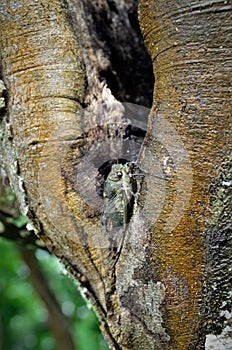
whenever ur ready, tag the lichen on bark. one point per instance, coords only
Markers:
(191, 68)
(219, 257)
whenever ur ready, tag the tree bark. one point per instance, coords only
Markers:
(63, 123)
(189, 46)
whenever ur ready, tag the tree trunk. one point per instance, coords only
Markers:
(189, 46)
(64, 64)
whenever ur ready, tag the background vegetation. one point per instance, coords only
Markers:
(23, 317)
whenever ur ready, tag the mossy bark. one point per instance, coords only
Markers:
(61, 116)
(189, 45)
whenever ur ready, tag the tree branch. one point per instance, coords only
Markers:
(58, 323)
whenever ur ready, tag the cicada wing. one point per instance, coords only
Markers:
(117, 193)
(113, 222)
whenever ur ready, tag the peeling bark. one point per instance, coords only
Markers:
(113, 49)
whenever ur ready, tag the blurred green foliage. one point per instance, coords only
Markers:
(23, 318)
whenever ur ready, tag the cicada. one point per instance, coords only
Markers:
(118, 196)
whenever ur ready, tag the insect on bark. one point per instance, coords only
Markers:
(118, 193)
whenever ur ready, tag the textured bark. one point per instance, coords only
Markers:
(63, 123)
(219, 256)
(189, 45)
(113, 48)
